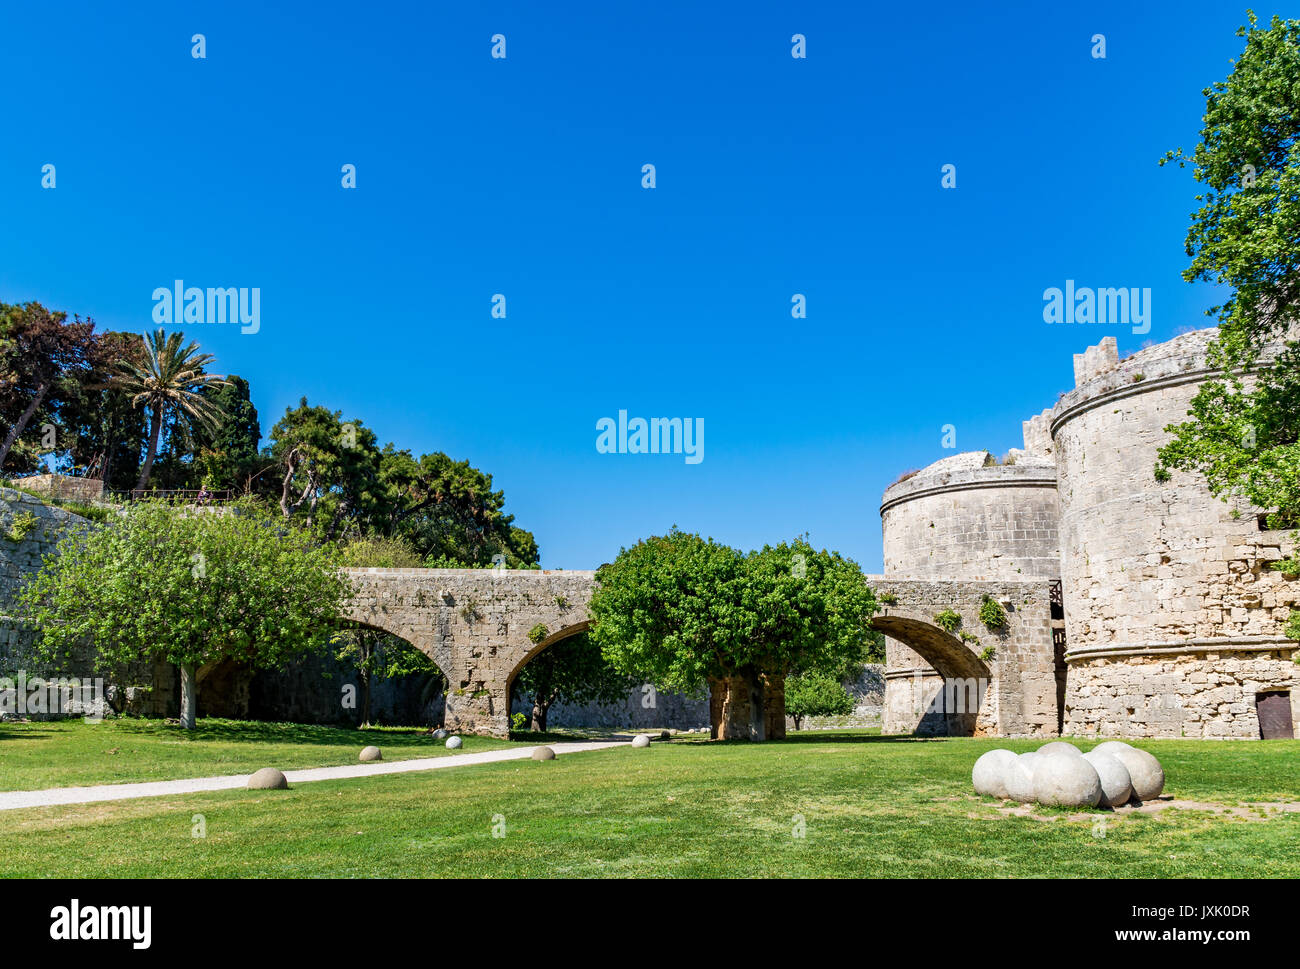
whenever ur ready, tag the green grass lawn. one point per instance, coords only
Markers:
(72, 753)
(870, 806)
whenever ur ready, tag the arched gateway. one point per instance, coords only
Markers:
(475, 624)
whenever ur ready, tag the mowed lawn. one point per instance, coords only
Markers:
(841, 805)
(72, 753)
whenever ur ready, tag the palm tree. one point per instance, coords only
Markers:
(170, 377)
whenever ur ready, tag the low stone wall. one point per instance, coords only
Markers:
(30, 530)
(1200, 690)
(64, 488)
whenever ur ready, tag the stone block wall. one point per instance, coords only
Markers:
(64, 487)
(1207, 691)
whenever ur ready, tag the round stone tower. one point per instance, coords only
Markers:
(1173, 616)
(965, 517)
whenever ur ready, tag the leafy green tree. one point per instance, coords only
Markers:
(100, 433)
(43, 358)
(815, 695)
(1245, 424)
(450, 511)
(191, 587)
(170, 380)
(223, 456)
(684, 613)
(329, 470)
(570, 671)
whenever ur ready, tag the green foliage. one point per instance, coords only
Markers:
(171, 379)
(948, 620)
(988, 654)
(970, 638)
(518, 721)
(190, 587)
(570, 671)
(992, 613)
(380, 552)
(677, 610)
(887, 599)
(20, 526)
(1243, 439)
(815, 695)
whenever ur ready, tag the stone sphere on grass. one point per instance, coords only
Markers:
(371, 753)
(1110, 746)
(641, 740)
(454, 743)
(1145, 772)
(989, 775)
(440, 734)
(1060, 747)
(1062, 780)
(543, 753)
(268, 779)
(1019, 779)
(1116, 787)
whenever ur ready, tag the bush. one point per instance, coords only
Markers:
(948, 620)
(992, 613)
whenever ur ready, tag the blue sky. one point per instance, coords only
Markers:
(522, 176)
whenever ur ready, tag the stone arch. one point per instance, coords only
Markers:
(967, 686)
(559, 636)
(438, 657)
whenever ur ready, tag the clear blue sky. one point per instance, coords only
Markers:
(522, 176)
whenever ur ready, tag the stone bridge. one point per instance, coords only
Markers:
(475, 624)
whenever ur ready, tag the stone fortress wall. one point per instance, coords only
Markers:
(1172, 616)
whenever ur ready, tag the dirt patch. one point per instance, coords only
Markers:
(1250, 811)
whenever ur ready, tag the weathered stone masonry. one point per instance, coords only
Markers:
(1172, 617)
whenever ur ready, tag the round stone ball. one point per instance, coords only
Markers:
(989, 775)
(1116, 787)
(440, 734)
(268, 779)
(665, 735)
(1064, 781)
(1144, 771)
(1110, 746)
(1019, 780)
(641, 740)
(454, 743)
(543, 753)
(371, 753)
(1060, 747)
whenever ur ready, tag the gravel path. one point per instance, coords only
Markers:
(12, 800)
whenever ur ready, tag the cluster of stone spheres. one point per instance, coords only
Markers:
(1060, 774)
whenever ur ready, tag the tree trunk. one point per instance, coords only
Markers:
(189, 696)
(773, 691)
(17, 429)
(540, 710)
(717, 693)
(740, 716)
(155, 428)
